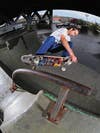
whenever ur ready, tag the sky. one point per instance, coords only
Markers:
(77, 14)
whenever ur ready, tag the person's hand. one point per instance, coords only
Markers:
(74, 59)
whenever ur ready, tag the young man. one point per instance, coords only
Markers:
(60, 40)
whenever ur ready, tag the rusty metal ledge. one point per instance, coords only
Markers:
(72, 85)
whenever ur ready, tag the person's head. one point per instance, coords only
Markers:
(73, 30)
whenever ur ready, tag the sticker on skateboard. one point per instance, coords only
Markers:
(46, 60)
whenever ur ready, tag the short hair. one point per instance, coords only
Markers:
(73, 26)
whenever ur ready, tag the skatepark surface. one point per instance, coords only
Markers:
(23, 111)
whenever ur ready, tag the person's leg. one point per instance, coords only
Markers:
(48, 43)
(56, 48)
(59, 47)
(65, 52)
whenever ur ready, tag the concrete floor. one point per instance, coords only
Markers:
(32, 120)
(23, 113)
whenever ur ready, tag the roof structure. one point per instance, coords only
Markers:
(14, 8)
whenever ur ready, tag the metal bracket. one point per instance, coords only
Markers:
(56, 110)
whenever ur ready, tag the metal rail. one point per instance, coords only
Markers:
(56, 110)
(80, 88)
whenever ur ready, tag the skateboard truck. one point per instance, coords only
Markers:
(56, 110)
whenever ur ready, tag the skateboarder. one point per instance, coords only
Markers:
(60, 40)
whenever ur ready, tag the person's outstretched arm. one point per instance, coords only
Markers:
(67, 47)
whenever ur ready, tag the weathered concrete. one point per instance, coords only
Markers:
(87, 72)
(32, 120)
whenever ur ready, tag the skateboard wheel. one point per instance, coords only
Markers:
(63, 69)
(36, 60)
(69, 62)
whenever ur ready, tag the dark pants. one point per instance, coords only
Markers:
(50, 45)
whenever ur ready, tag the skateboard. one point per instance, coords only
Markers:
(46, 60)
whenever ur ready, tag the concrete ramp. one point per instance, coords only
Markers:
(83, 75)
(33, 121)
(52, 83)
(23, 111)
(15, 109)
(18, 106)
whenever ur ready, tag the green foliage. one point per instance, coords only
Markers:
(95, 28)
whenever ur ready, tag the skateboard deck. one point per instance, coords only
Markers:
(46, 60)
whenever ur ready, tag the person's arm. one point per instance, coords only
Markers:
(67, 47)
